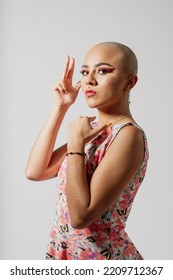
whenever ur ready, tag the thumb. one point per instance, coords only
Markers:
(78, 85)
(91, 119)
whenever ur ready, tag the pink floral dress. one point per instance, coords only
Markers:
(104, 239)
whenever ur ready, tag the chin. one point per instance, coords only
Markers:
(92, 106)
(95, 105)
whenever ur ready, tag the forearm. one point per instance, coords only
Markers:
(42, 149)
(77, 188)
(79, 193)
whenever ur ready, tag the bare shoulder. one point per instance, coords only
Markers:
(129, 142)
(132, 134)
(120, 163)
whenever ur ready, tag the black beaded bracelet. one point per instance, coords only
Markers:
(76, 153)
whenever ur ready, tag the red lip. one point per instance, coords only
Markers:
(90, 92)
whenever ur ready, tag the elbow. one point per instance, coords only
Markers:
(30, 175)
(80, 222)
(78, 225)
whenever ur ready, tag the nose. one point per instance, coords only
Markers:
(90, 80)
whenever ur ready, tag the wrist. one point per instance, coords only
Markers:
(75, 146)
(56, 108)
(83, 154)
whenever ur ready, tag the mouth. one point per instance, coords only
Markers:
(90, 93)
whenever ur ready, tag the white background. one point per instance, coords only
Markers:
(36, 36)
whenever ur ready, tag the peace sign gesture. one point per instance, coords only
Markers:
(64, 92)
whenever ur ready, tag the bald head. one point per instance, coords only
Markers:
(129, 58)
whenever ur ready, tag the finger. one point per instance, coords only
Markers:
(71, 68)
(58, 88)
(66, 67)
(62, 85)
(90, 119)
(61, 89)
(78, 85)
(55, 87)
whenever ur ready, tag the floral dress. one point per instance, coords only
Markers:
(104, 239)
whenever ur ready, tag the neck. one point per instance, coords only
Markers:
(107, 117)
(113, 111)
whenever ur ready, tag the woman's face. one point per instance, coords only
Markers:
(103, 77)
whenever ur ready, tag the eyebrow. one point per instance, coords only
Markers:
(98, 64)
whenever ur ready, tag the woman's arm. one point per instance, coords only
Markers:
(43, 162)
(120, 163)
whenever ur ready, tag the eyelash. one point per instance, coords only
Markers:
(105, 71)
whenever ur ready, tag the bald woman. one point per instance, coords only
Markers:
(100, 168)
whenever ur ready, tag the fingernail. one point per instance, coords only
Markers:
(78, 85)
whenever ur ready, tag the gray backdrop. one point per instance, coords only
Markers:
(35, 38)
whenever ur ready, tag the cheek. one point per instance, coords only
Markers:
(116, 83)
(108, 83)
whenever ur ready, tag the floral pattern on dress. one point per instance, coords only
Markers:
(106, 238)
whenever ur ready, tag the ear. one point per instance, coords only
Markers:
(131, 82)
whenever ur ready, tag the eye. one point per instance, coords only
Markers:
(84, 72)
(103, 71)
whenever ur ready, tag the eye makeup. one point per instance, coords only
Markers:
(106, 69)
(84, 72)
(100, 68)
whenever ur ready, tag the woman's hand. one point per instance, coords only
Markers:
(80, 132)
(64, 92)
